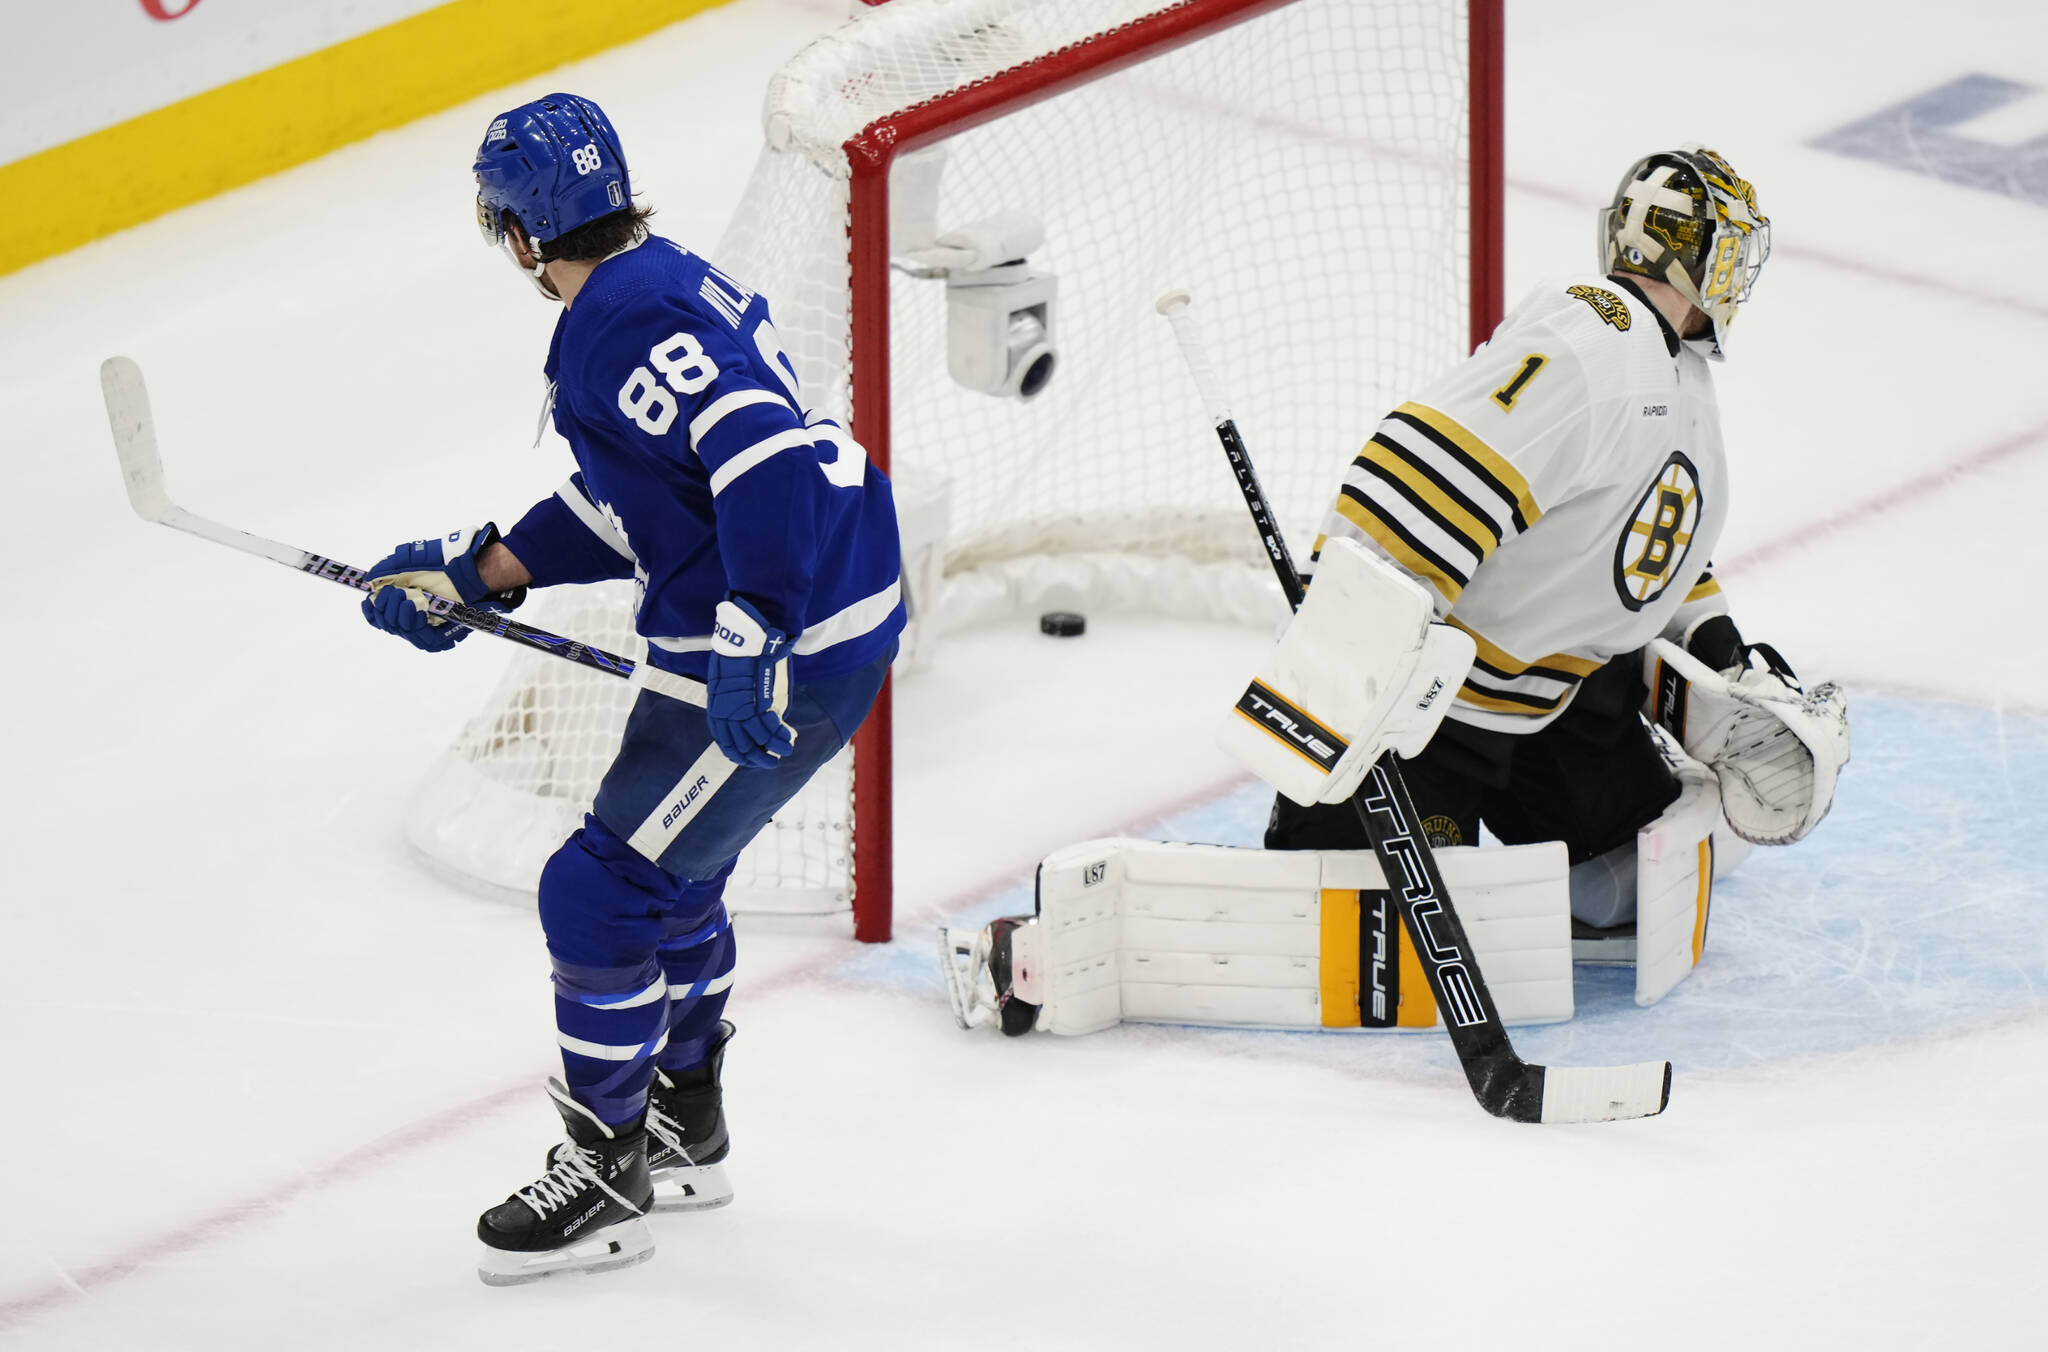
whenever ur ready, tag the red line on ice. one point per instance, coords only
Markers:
(1876, 272)
(224, 1222)
(228, 1219)
(1902, 494)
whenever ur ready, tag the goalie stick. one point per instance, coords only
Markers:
(142, 471)
(1505, 1084)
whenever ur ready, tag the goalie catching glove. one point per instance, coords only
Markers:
(402, 581)
(1359, 671)
(1775, 747)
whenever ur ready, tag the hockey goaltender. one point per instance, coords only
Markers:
(1534, 531)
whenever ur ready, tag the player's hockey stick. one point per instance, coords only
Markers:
(142, 470)
(1505, 1084)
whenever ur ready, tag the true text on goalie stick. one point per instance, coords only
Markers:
(1504, 1084)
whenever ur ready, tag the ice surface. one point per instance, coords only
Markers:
(264, 1071)
(1903, 919)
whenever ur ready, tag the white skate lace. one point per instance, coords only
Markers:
(670, 1132)
(573, 1172)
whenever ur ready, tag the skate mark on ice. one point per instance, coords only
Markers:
(1918, 909)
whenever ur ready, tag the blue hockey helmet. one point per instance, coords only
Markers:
(555, 164)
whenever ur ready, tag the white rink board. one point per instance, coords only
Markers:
(71, 67)
(263, 1066)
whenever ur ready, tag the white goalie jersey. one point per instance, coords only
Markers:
(1560, 493)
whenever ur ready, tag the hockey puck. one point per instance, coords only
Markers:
(1062, 624)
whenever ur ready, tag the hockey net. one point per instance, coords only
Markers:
(1304, 166)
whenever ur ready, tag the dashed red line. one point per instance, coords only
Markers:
(1900, 494)
(1907, 493)
(228, 1219)
(1877, 272)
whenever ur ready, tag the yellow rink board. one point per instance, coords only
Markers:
(137, 170)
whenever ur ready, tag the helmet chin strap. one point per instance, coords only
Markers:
(1678, 279)
(537, 274)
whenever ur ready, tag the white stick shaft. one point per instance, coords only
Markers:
(142, 470)
(1209, 385)
(1688, 666)
(180, 519)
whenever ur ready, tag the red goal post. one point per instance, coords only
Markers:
(874, 151)
(1324, 174)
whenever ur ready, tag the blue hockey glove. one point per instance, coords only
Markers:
(444, 567)
(747, 686)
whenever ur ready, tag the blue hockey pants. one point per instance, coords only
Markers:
(633, 903)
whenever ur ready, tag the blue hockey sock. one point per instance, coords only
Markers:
(606, 911)
(697, 957)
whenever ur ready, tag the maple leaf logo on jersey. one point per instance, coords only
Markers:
(611, 516)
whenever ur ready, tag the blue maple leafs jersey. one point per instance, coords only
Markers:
(700, 473)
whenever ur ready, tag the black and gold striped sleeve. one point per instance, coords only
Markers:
(1435, 497)
(1703, 601)
(1503, 684)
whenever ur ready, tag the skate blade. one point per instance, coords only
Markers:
(615, 1246)
(696, 1188)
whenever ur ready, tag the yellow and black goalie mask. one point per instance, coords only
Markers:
(1683, 217)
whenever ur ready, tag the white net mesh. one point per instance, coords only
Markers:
(1303, 173)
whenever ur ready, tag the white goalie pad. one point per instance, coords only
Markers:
(1141, 931)
(1359, 671)
(1678, 856)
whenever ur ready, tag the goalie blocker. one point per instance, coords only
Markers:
(1360, 670)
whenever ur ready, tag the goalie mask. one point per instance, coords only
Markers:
(1682, 217)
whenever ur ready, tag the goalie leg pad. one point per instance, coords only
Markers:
(1359, 671)
(1143, 931)
(1678, 856)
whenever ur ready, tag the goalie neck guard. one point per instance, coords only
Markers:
(1684, 218)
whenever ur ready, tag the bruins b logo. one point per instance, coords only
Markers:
(1657, 538)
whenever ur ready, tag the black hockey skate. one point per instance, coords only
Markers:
(1017, 1016)
(686, 1137)
(981, 974)
(585, 1214)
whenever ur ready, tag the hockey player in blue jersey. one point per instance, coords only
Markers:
(765, 550)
